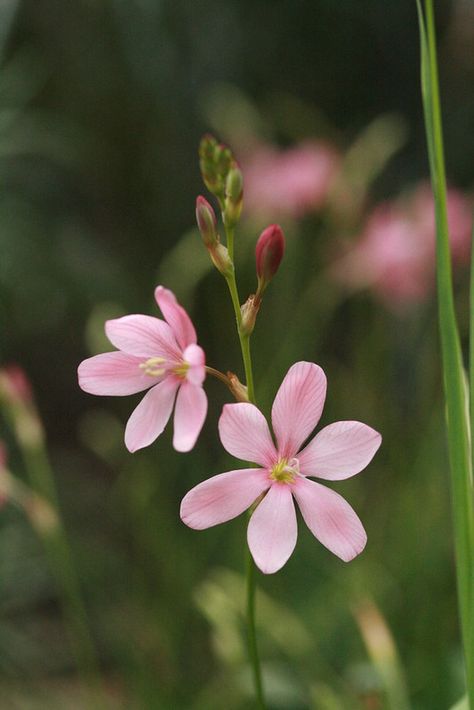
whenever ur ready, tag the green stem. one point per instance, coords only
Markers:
(243, 339)
(454, 381)
(230, 241)
(252, 634)
(247, 360)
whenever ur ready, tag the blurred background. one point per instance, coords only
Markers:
(102, 106)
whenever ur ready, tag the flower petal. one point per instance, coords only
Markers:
(298, 406)
(245, 434)
(330, 518)
(339, 451)
(143, 336)
(176, 316)
(151, 416)
(189, 415)
(196, 359)
(113, 374)
(273, 530)
(222, 497)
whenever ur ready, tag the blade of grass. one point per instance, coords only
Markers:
(457, 420)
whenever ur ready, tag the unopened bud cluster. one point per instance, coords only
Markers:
(215, 161)
(223, 178)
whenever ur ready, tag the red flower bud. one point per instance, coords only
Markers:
(268, 254)
(207, 222)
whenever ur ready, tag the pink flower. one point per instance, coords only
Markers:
(339, 451)
(289, 183)
(158, 356)
(269, 252)
(395, 255)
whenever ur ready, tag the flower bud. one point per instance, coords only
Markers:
(239, 390)
(234, 193)
(224, 159)
(268, 255)
(221, 259)
(207, 222)
(249, 312)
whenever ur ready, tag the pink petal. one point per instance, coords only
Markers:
(176, 316)
(222, 497)
(272, 529)
(113, 374)
(244, 433)
(143, 336)
(196, 359)
(151, 416)
(298, 406)
(339, 451)
(189, 415)
(330, 518)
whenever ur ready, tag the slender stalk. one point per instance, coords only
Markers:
(247, 360)
(244, 339)
(454, 380)
(229, 231)
(219, 376)
(252, 634)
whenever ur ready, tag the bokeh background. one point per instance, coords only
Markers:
(102, 106)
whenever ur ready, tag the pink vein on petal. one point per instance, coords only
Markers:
(222, 497)
(150, 417)
(143, 336)
(113, 374)
(176, 316)
(272, 529)
(189, 415)
(339, 451)
(330, 518)
(298, 406)
(245, 434)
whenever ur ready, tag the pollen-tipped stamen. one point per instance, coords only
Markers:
(285, 471)
(149, 367)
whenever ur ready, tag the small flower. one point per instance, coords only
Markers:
(162, 357)
(339, 451)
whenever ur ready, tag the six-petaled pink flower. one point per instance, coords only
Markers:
(339, 451)
(162, 357)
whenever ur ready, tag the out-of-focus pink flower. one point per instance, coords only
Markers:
(395, 255)
(289, 183)
(15, 383)
(3, 455)
(339, 451)
(162, 357)
(3, 474)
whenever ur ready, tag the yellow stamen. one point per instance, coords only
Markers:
(181, 370)
(149, 367)
(285, 471)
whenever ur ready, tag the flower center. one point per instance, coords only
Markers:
(285, 471)
(181, 370)
(152, 366)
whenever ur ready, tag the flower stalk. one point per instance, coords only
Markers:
(244, 339)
